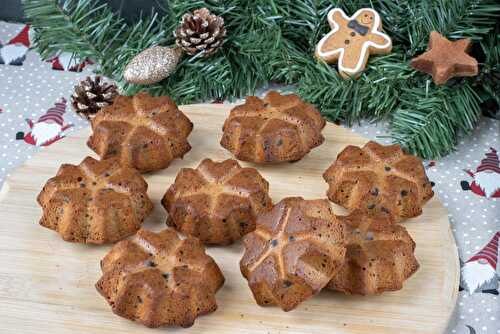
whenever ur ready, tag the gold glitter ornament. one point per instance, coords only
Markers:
(152, 65)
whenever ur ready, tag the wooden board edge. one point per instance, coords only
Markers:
(452, 282)
(5, 188)
(450, 250)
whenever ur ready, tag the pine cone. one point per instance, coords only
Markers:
(200, 32)
(91, 95)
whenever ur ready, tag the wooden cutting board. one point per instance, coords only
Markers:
(47, 285)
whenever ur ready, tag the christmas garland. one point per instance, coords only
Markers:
(273, 41)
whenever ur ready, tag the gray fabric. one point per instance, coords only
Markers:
(27, 91)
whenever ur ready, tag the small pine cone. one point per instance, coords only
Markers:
(200, 32)
(91, 95)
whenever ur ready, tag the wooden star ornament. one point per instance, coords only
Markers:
(446, 59)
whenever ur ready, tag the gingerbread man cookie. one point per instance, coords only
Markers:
(352, 40)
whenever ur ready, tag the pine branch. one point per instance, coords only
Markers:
(80, 27)
(254, 53)
(306, 20)
(454, 19)
(428, 120)
(89, 30)
(374, 95)
(488, 80)
(146, 32)
(274, 40)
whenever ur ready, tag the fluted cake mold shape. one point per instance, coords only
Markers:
(380, 255)
(274, 129)
(159, 279)
(95, 202)
(144, 132)
(378, 178)
(217, 202)
(294, 252)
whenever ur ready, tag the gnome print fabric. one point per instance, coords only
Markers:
(486, 179)
(34, 99)
(14, 51)
(467, 183)
(66, 61)
(48, 129)
(479, 273)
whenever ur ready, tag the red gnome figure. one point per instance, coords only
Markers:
(66, 61)
(479, 273)
(14, 52)
(486, 181)
(48, 129)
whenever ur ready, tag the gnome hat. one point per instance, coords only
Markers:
(489, 253)
(22, 38)
(491, 162)
(55, 114)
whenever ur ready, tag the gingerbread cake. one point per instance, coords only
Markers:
(380, 255)
(144, 132)
(294, 252)
(217, 202)
(376, 178)
(158, 279)
(95, 202)
(275, 129)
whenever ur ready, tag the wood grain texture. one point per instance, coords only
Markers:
(47, 285)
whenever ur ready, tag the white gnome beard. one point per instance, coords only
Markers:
(489, 182)
(44, 132)
(68, 60)
(12, 52)
(475, 275)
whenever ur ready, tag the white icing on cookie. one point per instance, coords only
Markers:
(366, 45)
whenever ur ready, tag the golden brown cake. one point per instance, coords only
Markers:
(217, 202)
(380, 256)
(95, 202)
(158, 279)
(278, 128)
(294, 252)
(378, 178)
(145, 132)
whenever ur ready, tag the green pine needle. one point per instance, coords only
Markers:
(274, 40)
